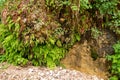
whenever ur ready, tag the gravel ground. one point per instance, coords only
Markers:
(38, 73)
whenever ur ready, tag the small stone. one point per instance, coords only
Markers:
(30, 71)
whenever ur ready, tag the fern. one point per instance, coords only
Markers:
(11, 44)
(115, 60)
(26, 47)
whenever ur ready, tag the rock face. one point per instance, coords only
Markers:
(89, 56)
(103, 44)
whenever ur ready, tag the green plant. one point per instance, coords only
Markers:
(115, 62)
(47, 54)
(106, 13)
(2, 2)
(19, 52)
(106, 6)
(114, 22)
(114, 78)
(11, 44)
(25, 44)
(95, 33)
(84, 5)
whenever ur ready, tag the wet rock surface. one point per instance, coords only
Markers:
(103, 43)
(89, 55)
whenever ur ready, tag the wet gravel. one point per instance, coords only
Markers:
(38, 73)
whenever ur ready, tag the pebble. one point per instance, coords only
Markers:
(34, 73)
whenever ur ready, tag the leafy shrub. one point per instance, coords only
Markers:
(18, 52)
(13, 47)
(106, 6)
(115, 62)
(106, 14)
(22, 51)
